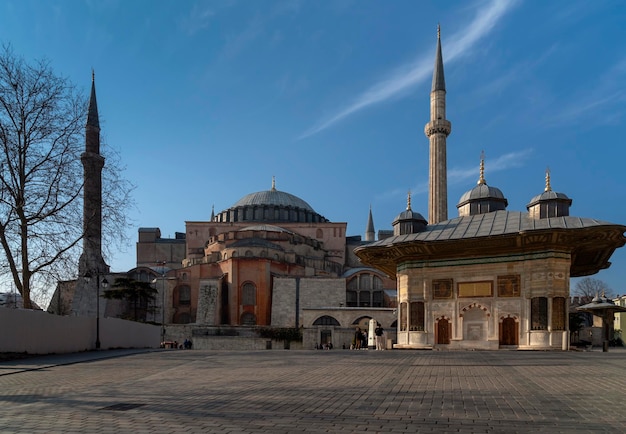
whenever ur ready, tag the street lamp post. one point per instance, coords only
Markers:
(105, 284)
(162, 263)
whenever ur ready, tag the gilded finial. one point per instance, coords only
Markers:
(408, 201)
(438, 31)
(548, 186)
(273, 183)
(93, 75)
(481, 179)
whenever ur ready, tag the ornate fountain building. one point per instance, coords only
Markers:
(489, 278)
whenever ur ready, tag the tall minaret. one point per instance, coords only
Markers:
(370, 233)
(91, 261)
(437, 131)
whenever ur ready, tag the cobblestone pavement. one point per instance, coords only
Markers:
(177, 391)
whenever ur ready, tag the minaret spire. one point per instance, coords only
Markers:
(437, 131)
(439, 82)
(370, 233)
(91, 263)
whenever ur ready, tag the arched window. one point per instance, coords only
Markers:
(326, 320)
(319, 234)
(365, 289)
(248, 294)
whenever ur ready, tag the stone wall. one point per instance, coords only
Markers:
(38, 332)
(313, 292)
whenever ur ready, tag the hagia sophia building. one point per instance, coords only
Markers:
(487, 279)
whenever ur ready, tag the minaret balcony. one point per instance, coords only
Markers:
(439, 126)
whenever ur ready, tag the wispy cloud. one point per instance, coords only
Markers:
(197, 20)
(403, 78)
(602, 104)
(463, 174)
(498, 164)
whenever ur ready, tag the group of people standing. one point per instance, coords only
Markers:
(360, 338)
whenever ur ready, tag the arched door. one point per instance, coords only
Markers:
(444, 330)
(509, 332)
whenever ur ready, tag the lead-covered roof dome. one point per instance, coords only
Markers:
(270, 206)
(481, 192)
(549, 203)
(408, 221)
(483, 198)
(273, 198)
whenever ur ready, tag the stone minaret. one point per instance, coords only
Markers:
(370, 233)
(91, 260)
(437, 131)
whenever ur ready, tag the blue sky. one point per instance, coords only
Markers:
(207, 100)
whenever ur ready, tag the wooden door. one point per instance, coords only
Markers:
(509, 334)
(444, 329)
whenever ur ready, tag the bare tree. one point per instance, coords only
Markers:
(590, 287)
(42, 119)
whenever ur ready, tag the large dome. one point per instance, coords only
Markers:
(273, 198)
(270, 206)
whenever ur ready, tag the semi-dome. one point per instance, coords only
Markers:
(270, 206)
(483, 198)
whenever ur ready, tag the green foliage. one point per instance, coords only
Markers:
(136, 293)
(288, 334)
(130, 289)
(576, 322)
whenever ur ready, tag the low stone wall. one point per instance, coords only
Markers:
(232, 338)
(38, 332)
(241, 343)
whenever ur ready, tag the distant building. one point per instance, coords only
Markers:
(264, 262)
(620, 317)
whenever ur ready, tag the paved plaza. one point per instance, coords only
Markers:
(179, 391)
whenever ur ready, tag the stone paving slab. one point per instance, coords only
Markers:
(338, 391)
